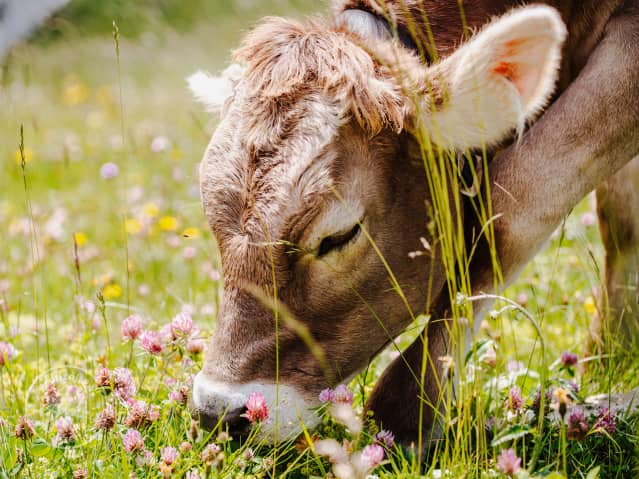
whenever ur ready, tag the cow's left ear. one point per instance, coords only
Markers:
(213, 91)
(497, 81)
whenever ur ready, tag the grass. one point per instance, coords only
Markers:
(85, 247)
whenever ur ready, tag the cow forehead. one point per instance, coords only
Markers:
(268, 162)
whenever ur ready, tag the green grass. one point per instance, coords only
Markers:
(62, 312)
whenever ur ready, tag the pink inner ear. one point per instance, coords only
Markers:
(507, 70)
(522, 63)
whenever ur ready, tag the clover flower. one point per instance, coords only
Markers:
(51, 396)
(131, 328)
(75, 394)
(569, 359)
(386, 438)
(340, 395)
(326, 395)
(514, 402)
(151, 342)
(7, 353)
(160, 144)
(195, 346)
(80, 474)
(123, 384)
(508, 463)
(605, 421)
(180, 395)
(105, 419)
(489, 358)
(181, 326)
(209, 453)
(141, 415)
(256, 409)
(133, 441)
(169, 455)
(577, 424)
(109, 170)
(24, 428)
(103, 378)
(372, 455)
(64, 428)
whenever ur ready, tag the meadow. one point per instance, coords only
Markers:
(110, 285)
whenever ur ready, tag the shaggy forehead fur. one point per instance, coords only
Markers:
(287, 60)
(264, 168)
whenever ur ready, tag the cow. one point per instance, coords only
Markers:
(314, 188)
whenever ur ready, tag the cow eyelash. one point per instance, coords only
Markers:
(331, 243)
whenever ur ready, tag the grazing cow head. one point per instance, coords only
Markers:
(314, 187)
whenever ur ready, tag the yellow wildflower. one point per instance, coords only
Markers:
(590, 305)
(80, 238)
(191, 232)
(111, 291)
(133, 226)
(168, 223)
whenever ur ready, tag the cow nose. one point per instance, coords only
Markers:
(233, 422)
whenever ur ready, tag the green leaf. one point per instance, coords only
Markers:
(510, 434)
(40, 448)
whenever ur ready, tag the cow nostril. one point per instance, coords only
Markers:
(233, 422)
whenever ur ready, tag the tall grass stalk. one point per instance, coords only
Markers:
(36, 258)
(124, 214)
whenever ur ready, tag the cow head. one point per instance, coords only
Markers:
(314, 188)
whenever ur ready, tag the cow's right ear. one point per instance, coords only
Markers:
(497, 81)
(363, 24)
(213, 91)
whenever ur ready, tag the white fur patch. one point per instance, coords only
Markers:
(290, 408)
(213, 91)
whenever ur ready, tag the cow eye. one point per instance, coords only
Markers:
(331, 243)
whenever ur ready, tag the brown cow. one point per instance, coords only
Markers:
(315, 189)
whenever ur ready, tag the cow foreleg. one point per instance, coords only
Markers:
(618, 208)
(408, 385)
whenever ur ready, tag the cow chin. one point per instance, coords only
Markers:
(223, 404)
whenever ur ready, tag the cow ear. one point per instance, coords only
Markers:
(497, 81)
(213, 91)
(363, 24)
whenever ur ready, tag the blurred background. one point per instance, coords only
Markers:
(112, 140)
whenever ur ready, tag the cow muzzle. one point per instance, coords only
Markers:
(223, 405)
